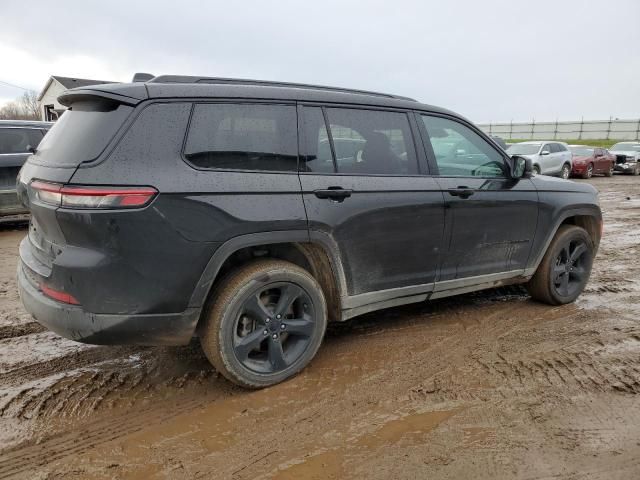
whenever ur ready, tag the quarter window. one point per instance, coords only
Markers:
(459, 151)
(372, 142)
(243, 137)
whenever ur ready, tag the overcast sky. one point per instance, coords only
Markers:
(489, 60)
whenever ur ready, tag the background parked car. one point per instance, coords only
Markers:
(16, 137)
(548, 157)
(627, 157)
(588, 161)
(499, 140)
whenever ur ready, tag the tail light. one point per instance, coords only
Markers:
(76, 196)
(59, 296)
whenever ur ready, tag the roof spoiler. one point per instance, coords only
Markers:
(126, 94)
(142, 77)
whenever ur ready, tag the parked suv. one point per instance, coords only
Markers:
(252, 213)
(17, 139)
(549, 158)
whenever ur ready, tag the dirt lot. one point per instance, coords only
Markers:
(480, 386)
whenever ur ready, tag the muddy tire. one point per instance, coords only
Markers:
(565, 267)
(264, 323)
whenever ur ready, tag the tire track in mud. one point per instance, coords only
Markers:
(568, 371)
(22, 459)
(20, 330)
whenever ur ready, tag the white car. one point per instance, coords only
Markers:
(627, 157)
(548, 157)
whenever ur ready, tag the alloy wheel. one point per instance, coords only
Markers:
(570, 268)
(565, 171)
(589, 171)
(274, 328)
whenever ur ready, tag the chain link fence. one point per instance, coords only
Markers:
(614, 129)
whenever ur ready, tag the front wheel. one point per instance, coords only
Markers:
(566, 171)
(589, 172)
(536, 170)
(609, 172)
(265, 323)
(565, 267)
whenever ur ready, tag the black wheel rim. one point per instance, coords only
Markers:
(570, 270)
(274, 327)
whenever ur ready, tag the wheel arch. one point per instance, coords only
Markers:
(316, 254)
(588, 217)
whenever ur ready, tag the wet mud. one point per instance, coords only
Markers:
(485, 385)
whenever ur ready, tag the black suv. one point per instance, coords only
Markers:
(252, 213)
(18, 139)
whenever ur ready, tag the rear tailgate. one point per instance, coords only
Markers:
(83, 134)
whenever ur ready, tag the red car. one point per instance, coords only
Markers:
(588, 161)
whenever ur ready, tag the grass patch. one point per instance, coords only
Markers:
(593, 143)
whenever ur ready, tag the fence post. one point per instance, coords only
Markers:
(490, 132)
(511, 129)
(555, 132)
(533, 127)
(638, 130)
(581, 127)
(609, 128)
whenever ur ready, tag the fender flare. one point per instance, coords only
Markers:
(228, 248)
(571, 211)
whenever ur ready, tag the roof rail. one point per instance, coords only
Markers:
(265, 83)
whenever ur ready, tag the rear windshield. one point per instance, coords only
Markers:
(18, 140)
(82, 133)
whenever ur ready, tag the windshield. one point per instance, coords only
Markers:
(626, 146)
(581, 151)
(81, 134)
(523, 149)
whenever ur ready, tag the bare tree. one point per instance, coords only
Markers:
(23, 108)
(29, 104)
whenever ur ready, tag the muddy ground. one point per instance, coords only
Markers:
(484, 385)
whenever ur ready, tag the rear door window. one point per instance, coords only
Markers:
(372, 142)
(17, 140)
(243, 137)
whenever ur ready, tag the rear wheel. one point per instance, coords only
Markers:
(566, 171)
(265, 323)
(565, 267)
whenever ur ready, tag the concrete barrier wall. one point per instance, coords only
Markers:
(588, 129)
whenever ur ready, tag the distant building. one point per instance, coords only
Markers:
(48, 98)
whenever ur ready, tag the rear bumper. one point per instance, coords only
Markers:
(74, 323)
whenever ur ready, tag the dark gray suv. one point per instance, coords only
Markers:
(18, 139)
(252, 213)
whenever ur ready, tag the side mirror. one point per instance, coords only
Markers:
(31, 149)
(544, 152)
(521, 167)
